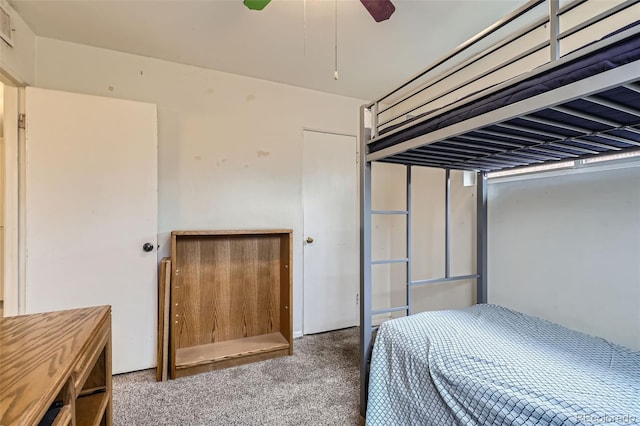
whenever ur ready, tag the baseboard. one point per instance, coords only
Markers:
(297, 334)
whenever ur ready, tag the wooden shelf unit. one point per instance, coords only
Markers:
(230, 298)
(55, 368)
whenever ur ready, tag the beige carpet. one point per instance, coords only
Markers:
(318, 385)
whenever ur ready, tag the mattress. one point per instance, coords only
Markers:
(488, 365)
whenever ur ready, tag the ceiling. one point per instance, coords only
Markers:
(290, 41)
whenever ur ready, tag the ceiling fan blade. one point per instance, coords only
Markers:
(380, 10)
(256, 4)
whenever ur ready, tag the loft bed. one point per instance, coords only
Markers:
(551, 82)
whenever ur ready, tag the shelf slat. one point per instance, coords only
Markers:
(64, 417)
(221, 351)
(90, 409)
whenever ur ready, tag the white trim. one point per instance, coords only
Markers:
(528, 170)
(578, 169)
(22, 206)
(297, 334)
(12, 288)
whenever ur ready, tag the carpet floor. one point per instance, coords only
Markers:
(318, 385)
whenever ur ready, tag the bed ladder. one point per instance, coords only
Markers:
(367, 329)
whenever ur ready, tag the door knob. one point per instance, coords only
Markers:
(147, 247)
(309, 240)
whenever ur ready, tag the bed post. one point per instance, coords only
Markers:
(447, 223)
(365, 262)
(409, 242)
(481, 225)
(554, 29)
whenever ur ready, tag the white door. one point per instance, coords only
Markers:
(331, 232)
(91, 205)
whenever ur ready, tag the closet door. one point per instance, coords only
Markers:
(331, 233)
(91, 214)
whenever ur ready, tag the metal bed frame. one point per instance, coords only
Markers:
(537, 130)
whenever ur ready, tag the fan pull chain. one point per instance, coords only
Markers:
(335, 72)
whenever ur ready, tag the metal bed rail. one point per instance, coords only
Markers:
(544, 33)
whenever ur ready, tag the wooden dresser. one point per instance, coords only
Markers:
(55, 368)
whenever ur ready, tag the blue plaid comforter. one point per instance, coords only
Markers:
(488, 365)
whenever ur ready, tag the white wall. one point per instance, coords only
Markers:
(567, 249)
(428, 229)
(428, 238)
(230, 147)
(18, 61)
(2, 179)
